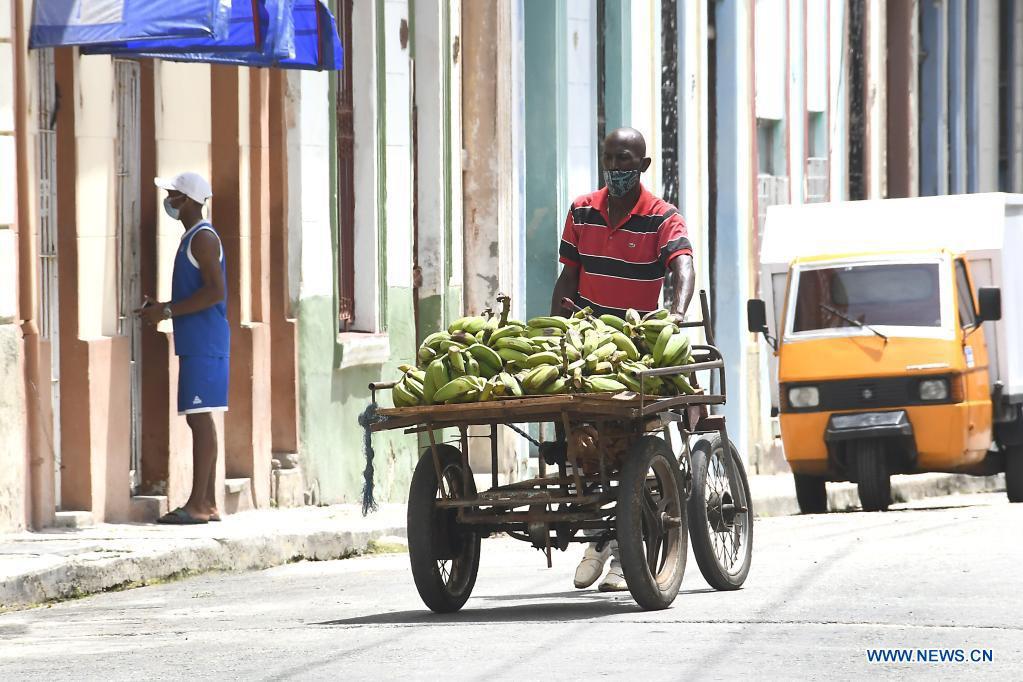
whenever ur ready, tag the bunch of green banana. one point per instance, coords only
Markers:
(408, 391)
(490, 356)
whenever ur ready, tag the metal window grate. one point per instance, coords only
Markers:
(771, 191)
(816, 180)
(47, 168)
(126, 75)
(345, 176)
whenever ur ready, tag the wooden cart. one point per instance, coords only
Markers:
(612, 475)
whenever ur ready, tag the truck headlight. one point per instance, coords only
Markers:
(802, 397)
(934, 389)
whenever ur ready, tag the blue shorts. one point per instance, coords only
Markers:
(202, 384)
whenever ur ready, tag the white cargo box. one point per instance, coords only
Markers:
(985, 228)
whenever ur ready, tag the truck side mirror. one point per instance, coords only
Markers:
(756, 316)
(990, 300)
(756, 320)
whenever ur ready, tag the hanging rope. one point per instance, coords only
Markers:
(366, 419)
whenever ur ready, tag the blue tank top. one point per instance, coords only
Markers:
(205, 332)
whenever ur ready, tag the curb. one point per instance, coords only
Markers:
(82, 577)
(905, 488)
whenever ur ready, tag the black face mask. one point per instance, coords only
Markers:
(620, 182)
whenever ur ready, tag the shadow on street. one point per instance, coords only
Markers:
(576, 606)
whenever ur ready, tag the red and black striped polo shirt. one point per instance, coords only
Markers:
(622, 266)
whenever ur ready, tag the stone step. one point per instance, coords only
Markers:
(237, 495)
(148, 508)
(73, 519)
(287, 488)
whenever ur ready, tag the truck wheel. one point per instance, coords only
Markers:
(872, 477)
(811, 494)
(445, 555)
(652, 528)
(1014, 474)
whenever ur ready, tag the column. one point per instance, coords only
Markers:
(734, 211)
(933, 98)
(543, 219)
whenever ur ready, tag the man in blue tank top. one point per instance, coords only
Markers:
(202, 338)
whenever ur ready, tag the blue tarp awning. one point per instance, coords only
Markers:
(291, 34)
(247, 29)
(301, 34)
(88, 22)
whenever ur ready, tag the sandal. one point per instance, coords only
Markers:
(179, 517)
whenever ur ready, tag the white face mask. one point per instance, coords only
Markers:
(171, 210)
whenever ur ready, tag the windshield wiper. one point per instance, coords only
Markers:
(856, 323)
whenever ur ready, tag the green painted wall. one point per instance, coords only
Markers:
(618, 63)
(331, 400)
(542, 47)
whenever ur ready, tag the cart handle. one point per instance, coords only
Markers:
(375, 386)
(718, 363)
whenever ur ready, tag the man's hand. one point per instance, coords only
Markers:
(566, 287)
(151, 311)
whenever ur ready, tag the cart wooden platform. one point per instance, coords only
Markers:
(612, 474)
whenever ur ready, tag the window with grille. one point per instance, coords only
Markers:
(128, 145)
(345, 174)
(49, 305)
(771, 191)
(817, 158)
(770, 153)
(772, 184)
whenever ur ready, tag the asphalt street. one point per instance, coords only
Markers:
(934, 577)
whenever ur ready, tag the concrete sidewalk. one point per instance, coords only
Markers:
(56, 564)
(62, 563)
(776, 495)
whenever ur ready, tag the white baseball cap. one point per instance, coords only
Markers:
(192, 185)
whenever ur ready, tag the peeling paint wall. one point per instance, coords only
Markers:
(335, 369)
(13, 460)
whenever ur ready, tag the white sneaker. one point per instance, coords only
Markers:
(614, 581)
(592, 565)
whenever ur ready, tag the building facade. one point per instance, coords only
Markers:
(87, 237)
(363, 209)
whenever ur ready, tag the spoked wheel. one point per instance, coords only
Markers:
(652, 526)
(445, 555)
(721, 514)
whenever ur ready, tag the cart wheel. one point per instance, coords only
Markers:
(722, 515)
(652, 526)
(445, 556)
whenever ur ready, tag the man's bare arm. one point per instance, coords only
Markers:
(566, 287)
(683, 278)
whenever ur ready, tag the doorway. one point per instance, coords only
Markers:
(49, 310)
(127, 74)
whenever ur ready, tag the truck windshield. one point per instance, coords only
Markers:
(896, 294)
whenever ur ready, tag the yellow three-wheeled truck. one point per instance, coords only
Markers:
(891, 353)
